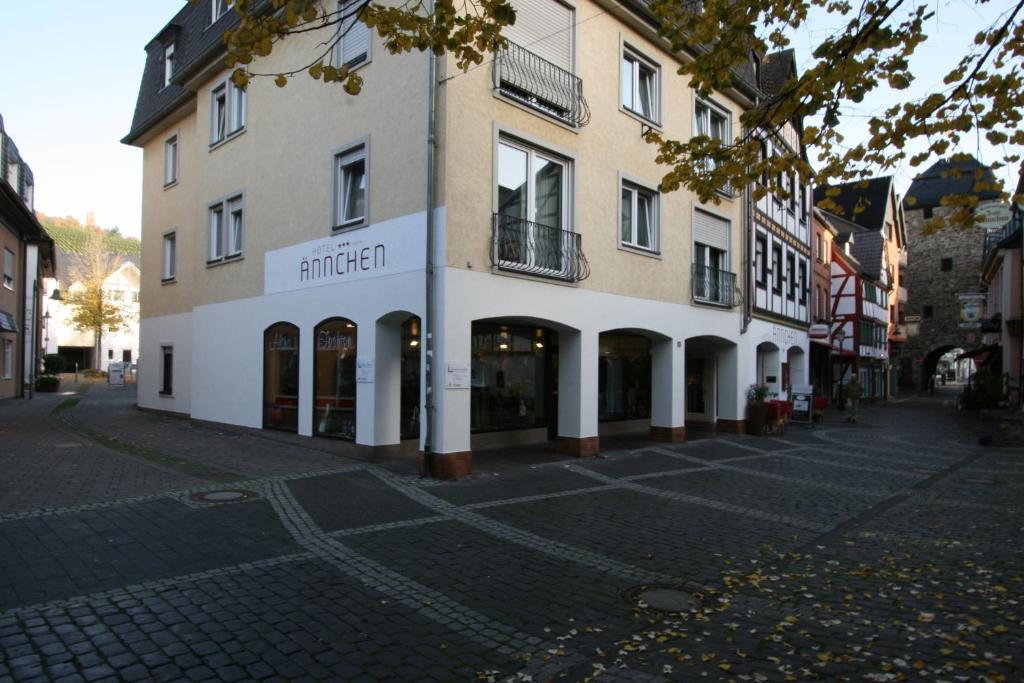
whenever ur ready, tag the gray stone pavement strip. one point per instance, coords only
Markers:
(521, 537)
(718, 464)
(430, 603)
(703, 502)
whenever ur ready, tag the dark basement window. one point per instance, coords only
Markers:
(947, 264)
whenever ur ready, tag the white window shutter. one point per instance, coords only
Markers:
(545, 28)
(355, 43)
(711, 230)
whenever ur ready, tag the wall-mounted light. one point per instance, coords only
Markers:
(539, 345)
(503, 346)
(414, 343)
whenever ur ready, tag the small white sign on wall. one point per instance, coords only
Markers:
(364, 370)
(456, 375)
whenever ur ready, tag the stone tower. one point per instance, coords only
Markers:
(939, 267)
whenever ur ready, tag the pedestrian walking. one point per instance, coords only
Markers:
(853, 394)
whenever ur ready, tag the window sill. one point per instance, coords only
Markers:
(165, 394)
(348, 227)
(168, 280)
(173, 183)
(352, 68)
(633, 114)
(640, 251)
(226, 139)
(225, 260)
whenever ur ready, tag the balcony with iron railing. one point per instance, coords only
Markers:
(713, 286)
(534, 249)
(531, 80)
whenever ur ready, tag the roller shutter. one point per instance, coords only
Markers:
(710, 230)
(545, 28)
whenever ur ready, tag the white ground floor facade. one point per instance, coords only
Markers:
(515, 360)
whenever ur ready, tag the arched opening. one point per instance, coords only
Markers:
(930, 366)
(281, 377)
(769, 367)
(795, 368)
(710, 372)
(513, 378)
(334, 379)
(410, 384)
(624, 379)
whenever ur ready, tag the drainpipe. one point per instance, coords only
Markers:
(428, 327)
(748, 236)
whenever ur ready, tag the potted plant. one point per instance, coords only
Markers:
(47, 383)
(757, 409)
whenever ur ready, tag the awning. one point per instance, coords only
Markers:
(7, 322)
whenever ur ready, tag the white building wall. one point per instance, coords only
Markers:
(168, 330)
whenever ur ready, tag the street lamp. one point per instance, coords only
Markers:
(35, 334)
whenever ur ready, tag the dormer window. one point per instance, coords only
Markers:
(168, 64)
(756, 63)
(219, 8)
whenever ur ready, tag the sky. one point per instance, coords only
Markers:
(67, 95)
(68, 91)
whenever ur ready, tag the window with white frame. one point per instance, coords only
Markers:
(639, 85)
(13, 170)
(168, 64)
(350, 187)
(171, 160)
(639, 217)
(709, 264)
(219, 8)
(226, 229)
(353, 45)
(711, 122)
(170, 257)
(227, 111)
(533, 194)
(818, 246)
(8, 369)
(8, 269)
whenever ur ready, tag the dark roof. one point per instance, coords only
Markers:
(938, 181)
(870, 196)
(196, 43)
(866, 246)
(776, 69)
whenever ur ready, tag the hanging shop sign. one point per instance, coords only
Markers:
(387, 248)
(972, 310)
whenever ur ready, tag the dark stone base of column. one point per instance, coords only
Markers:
(446, 465)
(732, 426)
(668, 434)
(586, 447)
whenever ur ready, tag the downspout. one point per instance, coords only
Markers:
(748, 227)
(428, 327)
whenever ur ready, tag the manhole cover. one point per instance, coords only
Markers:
(661, 598)
(979, 481)
(222, 496)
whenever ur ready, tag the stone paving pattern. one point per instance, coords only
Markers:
(886, 550)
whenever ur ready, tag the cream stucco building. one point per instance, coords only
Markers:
(452, 259)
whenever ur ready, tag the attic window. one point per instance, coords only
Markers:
(757, 69)
(168, 64)
(219, 8)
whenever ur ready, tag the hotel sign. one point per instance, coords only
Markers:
(387, 248)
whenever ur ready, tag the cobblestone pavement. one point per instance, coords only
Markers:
(886, 550)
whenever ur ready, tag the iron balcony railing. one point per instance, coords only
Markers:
(528, 247)
(713, 286)
(536, 82)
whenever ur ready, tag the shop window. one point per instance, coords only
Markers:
(281, 377)
(512, 377)
(410, 391)
(624, 377)
(334, 377)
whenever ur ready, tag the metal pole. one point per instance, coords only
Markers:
(428, 324)
(35, 339)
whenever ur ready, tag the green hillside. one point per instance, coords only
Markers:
(74, 238)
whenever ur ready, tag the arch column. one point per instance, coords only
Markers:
(307, 353)
(668, 390)
(577, 393)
